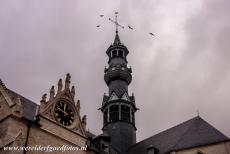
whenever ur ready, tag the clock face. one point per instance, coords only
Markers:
(63, 112)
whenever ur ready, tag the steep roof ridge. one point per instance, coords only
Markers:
(214, 135)
(163, 131)
(186, 131)
(15, 94)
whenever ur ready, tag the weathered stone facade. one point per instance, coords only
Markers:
(18, 130)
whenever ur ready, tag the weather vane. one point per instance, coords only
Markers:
(118, 25)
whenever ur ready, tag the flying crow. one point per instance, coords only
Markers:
(130, 27)
(151, 34)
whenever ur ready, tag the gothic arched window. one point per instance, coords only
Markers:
(125, 113)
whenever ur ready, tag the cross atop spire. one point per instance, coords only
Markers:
(117, 39)
(116, 22)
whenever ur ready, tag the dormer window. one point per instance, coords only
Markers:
(152, 150)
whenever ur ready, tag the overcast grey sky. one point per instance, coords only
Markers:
(183, 69)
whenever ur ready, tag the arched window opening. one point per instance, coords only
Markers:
(120, 53)
(106, 116)
(114, 53)
(125, 113)
(114, 113)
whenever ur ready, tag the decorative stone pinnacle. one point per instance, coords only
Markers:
(84, 119)
(84, 122)
(78, 105)
(18, 108)
(52, 93)
(59, 86)
(44, 98)
(67, 80)
(73, 91)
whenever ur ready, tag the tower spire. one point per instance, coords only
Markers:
(118, 107)
(117, 39)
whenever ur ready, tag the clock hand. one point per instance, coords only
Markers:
(62, 111)
(64, 107)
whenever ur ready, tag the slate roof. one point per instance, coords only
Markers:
(118, 90)
(192, 133)
(30, 109)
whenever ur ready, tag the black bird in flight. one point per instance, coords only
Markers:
(98, 25)
(130, 27)
(151, 34)
(101, 15)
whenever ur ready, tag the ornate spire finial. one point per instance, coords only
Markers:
(67, 80)
(59, 86)
(116, 13)
(78, 105)
(44, 98)
(84, 122)
(73, 91)
(52, 93)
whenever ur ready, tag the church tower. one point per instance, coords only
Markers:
(118, 107)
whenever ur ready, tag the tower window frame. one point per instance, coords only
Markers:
(120, 53)
(106, 116)
(114, 113)
(114, 53)
(125, 113)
